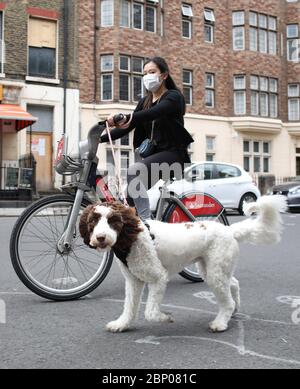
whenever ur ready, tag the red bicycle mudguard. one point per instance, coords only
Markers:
(199, 204)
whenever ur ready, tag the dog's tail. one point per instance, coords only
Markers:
(266, 227)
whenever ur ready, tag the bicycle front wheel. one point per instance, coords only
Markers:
(38, 262)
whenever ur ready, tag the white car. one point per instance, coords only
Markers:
(229, 184)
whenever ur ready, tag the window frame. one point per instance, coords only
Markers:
(102, 13)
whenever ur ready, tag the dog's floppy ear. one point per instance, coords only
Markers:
(83, 224)
(131, 225)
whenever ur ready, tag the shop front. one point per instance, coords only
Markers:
(17, 172)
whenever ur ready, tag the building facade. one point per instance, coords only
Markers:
(237, 62)
(39, 73)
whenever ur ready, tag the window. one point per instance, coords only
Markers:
(186, 28)
(187, 14)
(187, 80)
(210, 147)
(209, 90)
(257, 155)
(137, 78)
(107, 13)
(125, 7)
(262, 33)
(264, 96)
(140, 15)
(240, 95)
(107, 63)
(209, 25)
(124, 93)
(124, 154)
(238, 18)
(227, 171)
(294, 102)
(187, 10)
(125, 162)
(107, 87)
(238, 31)
(293, 42)
(137, 16)
(107, 67)
(151, 19)
(131, 78)
(42, 38)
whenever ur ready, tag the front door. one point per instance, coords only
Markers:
(41, 148)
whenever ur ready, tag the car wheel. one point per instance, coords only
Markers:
(249, 198)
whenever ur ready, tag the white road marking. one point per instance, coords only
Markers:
(288, 300)
(205, 295)
(239, 348)
(238, 316)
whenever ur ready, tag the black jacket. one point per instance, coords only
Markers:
(167, 114)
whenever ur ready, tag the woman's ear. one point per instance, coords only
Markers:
(165, 76)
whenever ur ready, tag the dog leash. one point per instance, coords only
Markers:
(118, 168)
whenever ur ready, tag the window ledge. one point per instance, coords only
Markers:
(293, 128)
(261, 125)
(43, 80)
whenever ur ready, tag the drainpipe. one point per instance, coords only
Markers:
(66, 46)
(96, 27)
(65, 67)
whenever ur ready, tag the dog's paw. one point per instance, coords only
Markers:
(117, 326)
(217, 326)
(160, 317)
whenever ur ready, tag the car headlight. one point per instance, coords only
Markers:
(295, 190)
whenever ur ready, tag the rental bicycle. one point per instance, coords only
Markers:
(46, 249)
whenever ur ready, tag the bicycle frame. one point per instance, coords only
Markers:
(66, 165)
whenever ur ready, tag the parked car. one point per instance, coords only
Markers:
(228, 183)
(292, 191)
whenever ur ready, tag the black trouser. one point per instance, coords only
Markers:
(147, 172)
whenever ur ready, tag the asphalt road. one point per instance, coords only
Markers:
(43, 334)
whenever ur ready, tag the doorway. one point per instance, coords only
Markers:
(41, 145)
(297, 166)
(41, 149)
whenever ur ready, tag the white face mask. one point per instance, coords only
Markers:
(152, 82)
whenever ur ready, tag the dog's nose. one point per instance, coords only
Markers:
(101, 238)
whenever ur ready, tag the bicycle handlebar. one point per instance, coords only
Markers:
(95, 134)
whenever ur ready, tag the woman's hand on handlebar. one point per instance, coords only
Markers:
(113, 121)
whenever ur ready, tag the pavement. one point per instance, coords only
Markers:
(37, 333)
(11, 212)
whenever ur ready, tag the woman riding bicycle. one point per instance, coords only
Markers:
(158, 121)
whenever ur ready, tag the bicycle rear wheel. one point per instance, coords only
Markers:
(174, 215)
(37, 260)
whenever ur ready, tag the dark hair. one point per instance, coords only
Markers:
(164, 68)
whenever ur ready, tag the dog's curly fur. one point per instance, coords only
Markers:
(122, 219)
(211, 245)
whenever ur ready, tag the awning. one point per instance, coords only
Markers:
(21, 118)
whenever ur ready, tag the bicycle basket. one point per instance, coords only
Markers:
(64, 164)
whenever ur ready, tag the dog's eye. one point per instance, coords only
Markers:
(115, 219)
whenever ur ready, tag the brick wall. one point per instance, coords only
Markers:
(193, 54)
(16, 14)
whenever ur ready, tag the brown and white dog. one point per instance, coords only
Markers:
(211, 245)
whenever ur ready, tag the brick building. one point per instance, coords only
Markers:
(237, 61)
(39, 75)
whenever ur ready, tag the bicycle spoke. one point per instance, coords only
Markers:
(38, 256)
